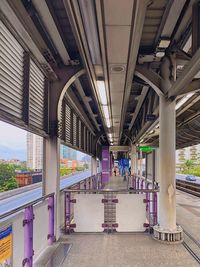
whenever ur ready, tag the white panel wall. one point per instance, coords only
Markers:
(130, 212)
(88, 213)
(40, 228)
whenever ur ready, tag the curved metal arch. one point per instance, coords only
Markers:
(150, 77)
(65, 88)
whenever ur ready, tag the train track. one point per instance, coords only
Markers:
(192, 245)
(188, 187)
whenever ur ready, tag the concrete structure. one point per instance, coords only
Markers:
(99, 74)
(34, 151)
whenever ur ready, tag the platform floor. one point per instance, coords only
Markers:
(130, 250)
(124, 250)
(188, 213)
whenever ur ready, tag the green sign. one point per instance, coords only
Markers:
(146, 148)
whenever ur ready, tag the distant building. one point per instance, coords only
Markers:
(188, 153)
(67, 153)
(34, 151)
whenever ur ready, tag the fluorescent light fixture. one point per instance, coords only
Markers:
(108, 123)
(160, 54)
(183, 100)
(106, 112)
(164, 43)
(102, 92)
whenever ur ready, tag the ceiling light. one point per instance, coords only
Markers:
(160, 54)
(102, 92)
(164, 43)
(106, 112)
(108, 123)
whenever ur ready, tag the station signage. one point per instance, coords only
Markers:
(6, 246)
(146, 149)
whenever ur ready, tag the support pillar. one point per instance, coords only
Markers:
(167, 230)
(133, 159)
(93, 166)
(105, 165)
(51, 176)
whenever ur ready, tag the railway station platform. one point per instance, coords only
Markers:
(119, 81)
(127, 249)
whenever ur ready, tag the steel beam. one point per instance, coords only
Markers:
(186, 76)
(139, 11)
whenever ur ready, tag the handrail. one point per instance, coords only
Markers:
(9, 213)
(112, 190)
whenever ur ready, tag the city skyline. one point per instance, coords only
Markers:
(13, 143)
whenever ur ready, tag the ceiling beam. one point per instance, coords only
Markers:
(139, 11)
(139, 105)
(186, 76)
(150, 77)
(50, 25)
(83, 96)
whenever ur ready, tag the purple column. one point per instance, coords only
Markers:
(105, 165)
(28, 237)
(138, 183)
(51, 237)
(155, 212)
(67, 212)
(142, 184)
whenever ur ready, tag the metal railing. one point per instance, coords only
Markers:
(29, 218)
(150, 195)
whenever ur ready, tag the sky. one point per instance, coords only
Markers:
(13, 143)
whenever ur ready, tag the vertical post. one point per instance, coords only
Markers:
(51, 175)
(28, 237)
(51, 237)
(105, 165)
(167, 171)
(155, 213)
(93, 166)
(68, 215)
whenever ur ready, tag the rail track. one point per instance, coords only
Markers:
(188, 187)
(192, 245)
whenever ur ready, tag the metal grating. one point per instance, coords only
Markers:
(74, 129)
(36, 97)
(80, 135)
(67, 124)
(11, 73)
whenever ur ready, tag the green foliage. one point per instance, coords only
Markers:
(79, 168)
(6, 172)
(189, 167)
(65, 171)
(11, 184)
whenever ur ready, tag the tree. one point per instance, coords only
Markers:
(7, 171)
(11, 184)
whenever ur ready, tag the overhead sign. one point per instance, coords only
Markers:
(146, 149)
(6, 246)
(119, 148)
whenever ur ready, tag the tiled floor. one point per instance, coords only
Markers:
(124, 250)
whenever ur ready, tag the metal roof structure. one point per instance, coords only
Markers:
(119, 43)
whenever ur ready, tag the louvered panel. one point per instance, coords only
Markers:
(11, 73)
(67, 123)
(74, 129)
(36, 100)
(80, 135)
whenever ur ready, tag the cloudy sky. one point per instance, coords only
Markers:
(13, 143)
